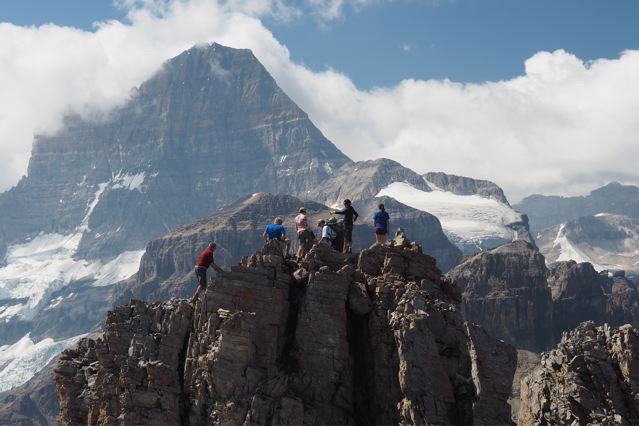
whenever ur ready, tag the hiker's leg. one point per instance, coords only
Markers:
(288, 245)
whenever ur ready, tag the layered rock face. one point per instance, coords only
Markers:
(592, 377)
(336, 339)
(505, 291)
(211, 126)
(512, 293)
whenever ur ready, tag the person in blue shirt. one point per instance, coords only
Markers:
(276, 231)
(382, 220)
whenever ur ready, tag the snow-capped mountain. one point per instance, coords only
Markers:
(608, 241)
(474, 214)
(211, 126)
(472, 222)
(546, 211)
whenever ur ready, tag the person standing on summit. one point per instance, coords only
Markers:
(381, 219)
(276, 231)
(304, 234)
(204, 260)
(350, 217)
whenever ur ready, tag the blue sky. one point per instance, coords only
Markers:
(381, 44)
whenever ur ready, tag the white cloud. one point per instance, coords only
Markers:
(328, 10)
(563, 126)
(407, 47)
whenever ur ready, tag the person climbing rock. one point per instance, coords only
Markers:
(350, 217)
(305, 236)
(276, 231)
(381, 219)
(204, 260)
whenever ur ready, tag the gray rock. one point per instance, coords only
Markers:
(261, 349)
(461, 185)
(591, 377)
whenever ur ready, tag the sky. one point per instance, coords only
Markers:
(537, 96)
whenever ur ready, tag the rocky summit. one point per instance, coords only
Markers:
(374, 338)
(591, 377)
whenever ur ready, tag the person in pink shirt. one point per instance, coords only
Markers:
(304, 235)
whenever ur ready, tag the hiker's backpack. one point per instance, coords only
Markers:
(340, 231)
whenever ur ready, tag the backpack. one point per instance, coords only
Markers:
(340, 231)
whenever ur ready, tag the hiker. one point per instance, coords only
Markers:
(204, 260)
(381, 219)
(328, 234)
(350, 217)
(305, 236)
(276, 231)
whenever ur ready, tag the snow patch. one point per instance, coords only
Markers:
(22, 360)
(127, 181)
(84, 225)
(470, 218)
(120, 268)
(327, 168)
(569, 251)
(46, 263)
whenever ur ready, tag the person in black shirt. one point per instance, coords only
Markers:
(350, 217)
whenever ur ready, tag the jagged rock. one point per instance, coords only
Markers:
(383, 346)
(505, 291)
(592, 377)
(578, 295)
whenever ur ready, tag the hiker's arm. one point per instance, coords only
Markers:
(265, 237)
(355, 216)
(343, 211)
(216, 268)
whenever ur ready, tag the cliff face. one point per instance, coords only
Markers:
(592, 377)
(336, 339)
(512, 293)
(505, 291)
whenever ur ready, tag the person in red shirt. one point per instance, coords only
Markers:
(204, 260)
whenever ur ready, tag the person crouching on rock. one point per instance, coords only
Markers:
(305, 236)
(276, 231)
(204, 260)
(350, 216)
(328, 234)
(381, 219)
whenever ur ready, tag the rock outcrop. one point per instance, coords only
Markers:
(375, 338)
(505, 290)
(592, 377)
(512, 293)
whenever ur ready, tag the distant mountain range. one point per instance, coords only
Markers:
(601, 228)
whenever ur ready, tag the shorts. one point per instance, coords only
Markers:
(305, 238)
(381, 231)
(348, 233)
(200, 273)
